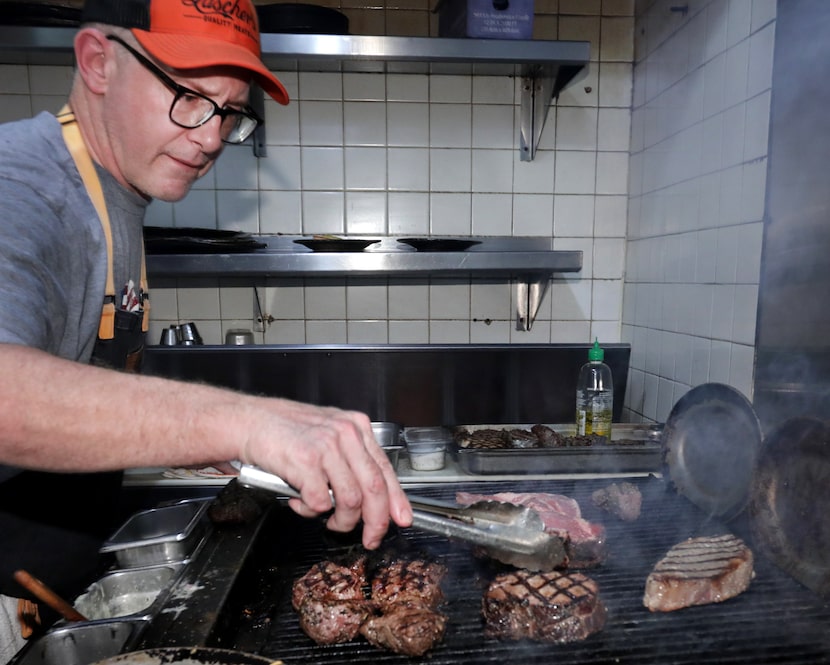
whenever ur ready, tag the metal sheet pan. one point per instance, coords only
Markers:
(640, 452)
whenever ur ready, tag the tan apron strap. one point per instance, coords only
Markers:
(77, 148)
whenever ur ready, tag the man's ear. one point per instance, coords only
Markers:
(93, 53)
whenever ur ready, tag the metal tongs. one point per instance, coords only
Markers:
(509, 533)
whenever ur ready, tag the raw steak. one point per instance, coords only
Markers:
(699, 571)
(622, 500)
(584, 541)
(547, 607)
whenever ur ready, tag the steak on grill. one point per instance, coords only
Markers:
(407, 593)
(410, 630)
(414, 583)
(584, 541)
(699, 571)
(546, 607)
(330, 601)
(622, 500)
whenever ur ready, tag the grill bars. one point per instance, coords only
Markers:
(775, 621)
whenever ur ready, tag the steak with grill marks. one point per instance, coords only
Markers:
(699, 571)
(406, 629)
(585, 542)
(546, 607)
(330, 601)
(407, 593)
(411, 582)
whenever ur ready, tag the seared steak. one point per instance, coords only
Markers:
(401, 615)
(332, 621)
(407, 594)
(622, 500)
(584, 541)
(547, 607)
(237, 504)
(413, 583)
(405, 629)
(330, 601)
(699, 571)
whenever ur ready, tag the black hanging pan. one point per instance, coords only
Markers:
(790, 501)
(710, 445)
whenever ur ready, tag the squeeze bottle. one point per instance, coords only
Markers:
(594, 395)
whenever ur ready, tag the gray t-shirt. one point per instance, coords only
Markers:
(53, 256)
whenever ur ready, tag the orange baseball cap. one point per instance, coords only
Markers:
(192, 34)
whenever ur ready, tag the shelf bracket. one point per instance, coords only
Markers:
(530, 290)
(537, 94)
(257, 102)
(541, 84)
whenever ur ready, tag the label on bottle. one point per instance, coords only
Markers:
(593, 412)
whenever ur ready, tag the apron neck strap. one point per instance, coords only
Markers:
(77, 148)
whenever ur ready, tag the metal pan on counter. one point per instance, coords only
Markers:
(632, 448)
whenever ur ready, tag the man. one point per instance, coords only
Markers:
(159, 85)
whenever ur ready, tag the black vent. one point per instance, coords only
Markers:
(775, 621)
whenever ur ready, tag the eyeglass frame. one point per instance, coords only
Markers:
(181, 90)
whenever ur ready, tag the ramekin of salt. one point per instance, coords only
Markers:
(427, 447)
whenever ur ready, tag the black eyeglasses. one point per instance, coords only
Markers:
(191, 109)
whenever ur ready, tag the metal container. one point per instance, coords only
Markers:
(388, 436)
(159, 535)
(79, 643)
(125, 593)
(239, 337)
(632, 448)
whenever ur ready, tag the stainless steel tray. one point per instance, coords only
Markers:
(632, 448)
(159, 535)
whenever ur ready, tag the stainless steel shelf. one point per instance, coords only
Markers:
(352, 264)
(545, 66)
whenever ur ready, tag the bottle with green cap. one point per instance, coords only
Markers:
(594, 395)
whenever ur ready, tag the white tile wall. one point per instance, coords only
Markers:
(700, 123)
(400, 154)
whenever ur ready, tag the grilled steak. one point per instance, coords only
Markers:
(333, 621)
(522, 438)
(482, 439)
(407, 594)
(547, 607)
(413, 583)
(548, 437)
(699, 571)
(405, 629)
(622, 500)
(237, 504)
(584, 541)
(401, 615)
(330, 601)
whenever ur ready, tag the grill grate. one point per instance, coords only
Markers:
(775, 621)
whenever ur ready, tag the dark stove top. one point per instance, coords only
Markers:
(775, 621)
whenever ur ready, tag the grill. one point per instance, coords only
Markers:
(775, 621)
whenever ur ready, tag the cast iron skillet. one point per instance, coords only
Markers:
(710, 445)
(790, 501)
(187, 656)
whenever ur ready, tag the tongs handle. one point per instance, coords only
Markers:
(253, 476)
(428, 514)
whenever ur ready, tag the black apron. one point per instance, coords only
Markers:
(53, 524)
